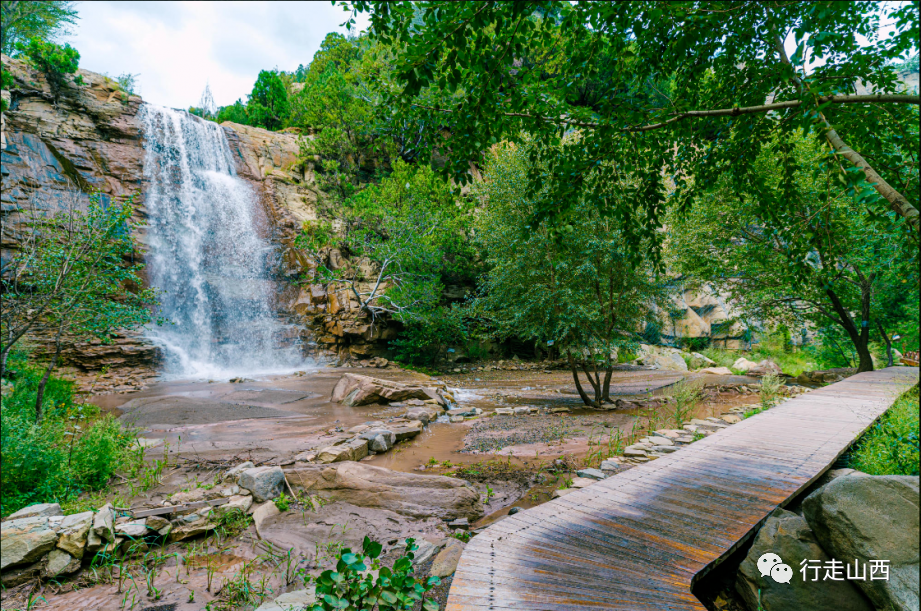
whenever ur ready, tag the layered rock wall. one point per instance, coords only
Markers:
(58, 147)
(329, 313)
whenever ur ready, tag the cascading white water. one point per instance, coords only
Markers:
(206, 255)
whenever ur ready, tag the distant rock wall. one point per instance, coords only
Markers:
(329, 314)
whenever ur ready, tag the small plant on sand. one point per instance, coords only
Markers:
(489, 494)
(687, 397)
(241, 590)
(352, 586)
(433, 461)
(462, 535)
(770, 390)
(282, 502)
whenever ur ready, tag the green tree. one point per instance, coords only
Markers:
(75, 278)
(54, 60)
(235, 113)
(826, 258)
(268, 103)
(407, 237)
(573, 287)
(42, 19)
(694, 89)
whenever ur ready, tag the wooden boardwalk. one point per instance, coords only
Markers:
(639, 540)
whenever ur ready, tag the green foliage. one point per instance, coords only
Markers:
(7, 83)
(74, 275)
(52, 59)
(73, 450)
(268, 102)
(409, 236)
(351, 586)
(42, 19)
(574, 287)
(235, 113)
(282, 502)
(891, 446)
(655, 90)
(827, 260)
(127, 82)
(428, 334)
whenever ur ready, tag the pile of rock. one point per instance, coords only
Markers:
(375, 437)
(665, 441)
(824, 377)
(845, 532)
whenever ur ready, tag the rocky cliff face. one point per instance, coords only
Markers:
(55, 150)
(58, 147)
(328, 313)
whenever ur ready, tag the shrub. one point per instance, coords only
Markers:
(426, 337)
(52, 59)
(74, 449)
(352, 586)
(891, 446)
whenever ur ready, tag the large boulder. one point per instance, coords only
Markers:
(445, 562)
(354, 390)
(264, 482)
(416, 496)
(667, 360)
(58, 563)
(104, 523)
(32, 511)
(872, 518)
(354, 449)
(786, 534)
(74, 532)
(379, 440)
(764, 368)
(25, 540)
(743, 365)
(717, 371)
(698, 360)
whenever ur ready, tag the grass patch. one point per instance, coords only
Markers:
(75, 449)
(791, 363)
(890, 447)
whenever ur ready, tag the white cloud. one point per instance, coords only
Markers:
(178, 47)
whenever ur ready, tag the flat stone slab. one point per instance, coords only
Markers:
(272, 396)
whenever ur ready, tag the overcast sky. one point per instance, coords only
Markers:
(178, 47)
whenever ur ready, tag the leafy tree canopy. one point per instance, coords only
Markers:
(580, 292)
(668, 92)
(268, 103)
(828, 259)
(45, 20)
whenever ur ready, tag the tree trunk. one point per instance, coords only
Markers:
(888, 340)
(575, 376)
(859, 337)
(606, 389)
(596, 384)
(44, 381)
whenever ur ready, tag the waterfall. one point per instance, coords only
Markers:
(207, 254)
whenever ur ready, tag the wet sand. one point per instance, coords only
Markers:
(276, 417)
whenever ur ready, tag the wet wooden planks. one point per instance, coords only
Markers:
(639, 540)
